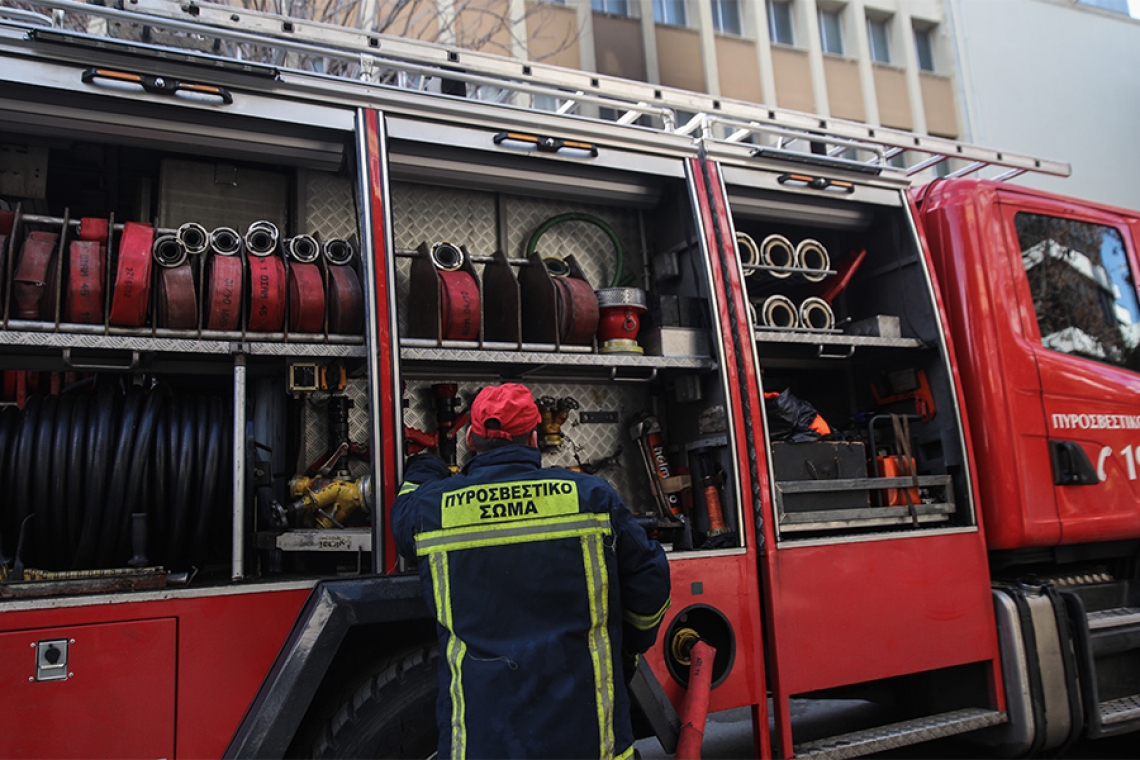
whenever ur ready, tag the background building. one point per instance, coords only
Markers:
(1055, 79)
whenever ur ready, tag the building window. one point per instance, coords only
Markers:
(726, 16)
(614, 7)
(670, 12)
(831, 31)
(924, 47)
(780, 22)
(1083, 289)
(878, 38)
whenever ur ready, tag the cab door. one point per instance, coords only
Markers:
(1076, 288)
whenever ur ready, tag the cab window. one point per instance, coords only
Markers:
(1083, 289)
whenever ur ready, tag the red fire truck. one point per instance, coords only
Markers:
(249, 263)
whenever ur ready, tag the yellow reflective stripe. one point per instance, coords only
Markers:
(456, 648)
(627, 754)
(646, 622)
(546, 529)
(597, 586)
(408, 488)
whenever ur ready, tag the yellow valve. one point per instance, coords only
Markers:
(330, 503)
(682, 644)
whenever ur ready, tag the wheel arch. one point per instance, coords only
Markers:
(342, 620)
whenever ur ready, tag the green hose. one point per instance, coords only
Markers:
(619, 258)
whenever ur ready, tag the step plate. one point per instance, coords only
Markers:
(1113, 618)
(895, 735)
(1123, 710)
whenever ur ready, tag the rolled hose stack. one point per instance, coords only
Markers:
(82, 463)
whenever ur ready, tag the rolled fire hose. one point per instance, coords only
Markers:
(816, 314)
(779, 311)
(131, 293)
(306, 298)
(345, 296)
(176, 302)
(746, 245)
(193, 238)
(306, 287)
(261, 238)
(576, 305)
(777, 251)
(86, 263)
(94, 229)
(266, 293)
(29, 282)
(813, 258)
(458, 292)
(223, 293)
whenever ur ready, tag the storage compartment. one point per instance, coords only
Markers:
(844, 322)
(184, 395)
(601, 309)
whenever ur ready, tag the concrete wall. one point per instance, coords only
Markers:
(1054, 80)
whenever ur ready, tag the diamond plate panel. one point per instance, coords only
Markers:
(330, 206)
(588, 243)
(315, 425)
(583, 443)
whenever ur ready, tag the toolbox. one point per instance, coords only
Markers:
(821, 460)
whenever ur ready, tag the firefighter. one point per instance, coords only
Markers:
(539, 579)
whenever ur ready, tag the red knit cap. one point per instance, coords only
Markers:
(511, 404)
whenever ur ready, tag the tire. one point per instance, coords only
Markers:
(388, 712)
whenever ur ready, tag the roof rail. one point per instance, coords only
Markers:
(360, 55)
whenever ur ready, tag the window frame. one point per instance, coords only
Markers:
(824, 37)
(1035, 328)
(664, 6)
(924, 33)
(630, 7)
(774, 22)
(882, 22)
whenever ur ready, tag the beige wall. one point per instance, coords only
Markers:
(938, 103)
(618, 49)
(479, 26)
(737, 69)
(679, 58)
(894, 104)
(552, 34)
(844, 92)
(793, 79)
(416, 20)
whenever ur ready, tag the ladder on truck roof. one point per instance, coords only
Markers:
(314, 48)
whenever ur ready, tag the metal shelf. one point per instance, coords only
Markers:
(863, 517)
(831, 338)
(533, 357)
(215, 344)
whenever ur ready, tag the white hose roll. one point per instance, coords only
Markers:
(778, 251)
(816, 314)
(779, 311)
(748, 250)
(812, 257)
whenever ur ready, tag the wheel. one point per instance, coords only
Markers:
(388, 712)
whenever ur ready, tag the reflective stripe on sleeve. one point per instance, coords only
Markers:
(501, 534)
(456, 648)
(646, 622)
(597, 584)
(408, 488)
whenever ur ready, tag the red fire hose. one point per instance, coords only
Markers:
(306, 298)
(345, 300)
(29, 289)
(696, 707)
(266, 293)
(84, 300)
(132, 277)
(223, 293)
(176, 306)
(460, 305)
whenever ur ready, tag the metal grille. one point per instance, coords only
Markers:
(589, 441)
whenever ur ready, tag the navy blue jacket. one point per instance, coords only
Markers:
(539, 579)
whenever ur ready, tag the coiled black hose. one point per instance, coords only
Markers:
(82, 464)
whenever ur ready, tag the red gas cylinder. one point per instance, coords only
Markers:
(621, 310)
